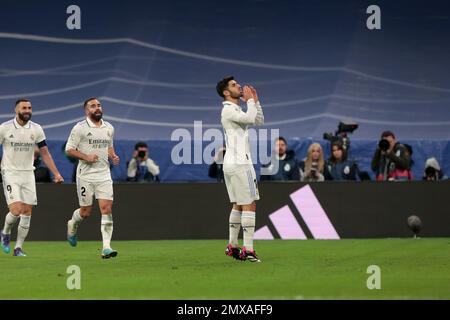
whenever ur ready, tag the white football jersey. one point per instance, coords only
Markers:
(90, 139)
(235, 124)
(18, 144)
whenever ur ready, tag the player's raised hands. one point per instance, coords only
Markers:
(247, 93)
(91, 158)
(254, 93)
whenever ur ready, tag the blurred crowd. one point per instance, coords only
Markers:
(391, 161)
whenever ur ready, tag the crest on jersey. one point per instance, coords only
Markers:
(89, 134)
(32, 137)
(109, 134)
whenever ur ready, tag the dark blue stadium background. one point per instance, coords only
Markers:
(314, 63)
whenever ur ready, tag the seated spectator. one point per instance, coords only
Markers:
(141, 168)
(216, 168)
(287, 168)
(312, 168)
(41, 173)
(433, 171)
(337, 166)
(391, 161)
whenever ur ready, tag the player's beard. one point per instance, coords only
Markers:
(237, 95)
(96, 116)
(25, 117)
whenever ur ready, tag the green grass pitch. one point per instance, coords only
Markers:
(196, 269)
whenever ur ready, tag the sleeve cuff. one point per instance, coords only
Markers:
(42, 144)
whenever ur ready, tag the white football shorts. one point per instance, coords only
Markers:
(19, 186)
(86, 191)
(242, 186)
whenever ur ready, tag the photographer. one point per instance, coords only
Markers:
(311, 169)
(141, 168)
(287, 168)
(337, 167)
(433, 171)
(391, 161)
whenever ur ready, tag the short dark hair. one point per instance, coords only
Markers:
(223, 85)
(140, 144)
(87, 100)
(282, 139)
(387, 134)
(21, 100)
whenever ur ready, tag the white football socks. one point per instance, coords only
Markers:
(248, 226)
(22, 230)
(107, 230)
(10, 220)
(76, 218)
(235, 227)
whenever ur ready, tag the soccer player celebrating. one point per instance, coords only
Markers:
(91, 141)
(19, 137)
(239, 173)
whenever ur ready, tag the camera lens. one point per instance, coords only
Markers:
(383, 144)
(141, 154)
(430, 172)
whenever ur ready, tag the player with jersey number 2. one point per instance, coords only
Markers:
(91, 141)
(19, 137)
(239, 173)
